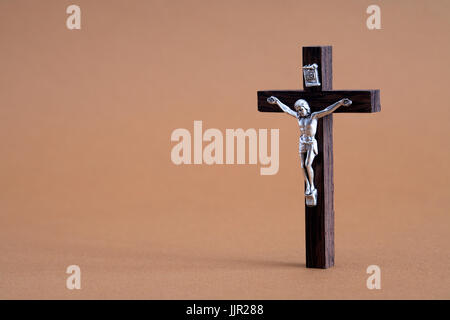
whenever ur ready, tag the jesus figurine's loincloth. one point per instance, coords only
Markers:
(307, 143)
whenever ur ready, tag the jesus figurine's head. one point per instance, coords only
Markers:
(302, 108)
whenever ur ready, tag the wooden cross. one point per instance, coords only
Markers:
(319, 219)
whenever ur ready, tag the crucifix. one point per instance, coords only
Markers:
(313, 108)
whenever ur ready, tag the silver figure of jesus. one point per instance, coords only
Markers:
(307, 122)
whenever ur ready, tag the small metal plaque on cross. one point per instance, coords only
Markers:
(311, 75)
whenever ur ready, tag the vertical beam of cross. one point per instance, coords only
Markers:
(319, 220)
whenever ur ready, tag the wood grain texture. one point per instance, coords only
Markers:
(363, 101)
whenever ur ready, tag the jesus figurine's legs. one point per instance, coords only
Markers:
(308, 164)
(305, 173)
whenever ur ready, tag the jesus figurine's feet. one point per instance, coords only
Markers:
(311, 198)
(307, 191)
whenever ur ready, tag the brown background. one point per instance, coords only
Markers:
(86, 176)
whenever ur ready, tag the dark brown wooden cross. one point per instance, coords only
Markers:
(319, 219)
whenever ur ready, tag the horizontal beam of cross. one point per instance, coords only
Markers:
(363, 101)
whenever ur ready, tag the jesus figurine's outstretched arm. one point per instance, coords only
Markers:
(330, 109)
(285, 108)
